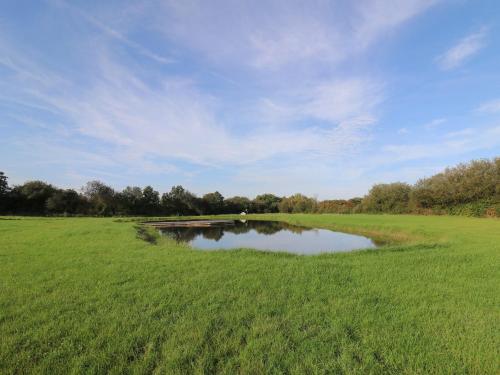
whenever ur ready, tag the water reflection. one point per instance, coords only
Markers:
(267, 235)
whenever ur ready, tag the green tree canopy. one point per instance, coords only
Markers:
(213, 203)
(236, 205)
(266, 203)
(392, 198)
(65, 202)
(150, 201)
(297, 203)
(4, 185)
(179, 201)
(103, 199)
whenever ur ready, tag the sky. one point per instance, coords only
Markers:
(321, 97)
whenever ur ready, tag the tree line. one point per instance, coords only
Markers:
(98, 199)
(471, 189)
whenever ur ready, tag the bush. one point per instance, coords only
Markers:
(476, 181)
(389, 198)
(297, 203)
(475, 209)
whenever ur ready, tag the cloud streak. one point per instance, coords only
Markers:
(492, 106)
(174, 119)
(463, 50)
(452, 143)
(273, 34)
(113, 33)
(434, 123)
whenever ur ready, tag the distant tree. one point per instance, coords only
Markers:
(213, 203)
(31, 197)
(355, 201)
(4, 185)
(465, 183)
(150, 201)
(338, 206)
(266, 203)
(130, 200)
(102, 198)
(390, 198)
(497, 183)
(65, 202)
(357, 205)
(236, 205)
(180, 201)
(4, 193)
(297, 203)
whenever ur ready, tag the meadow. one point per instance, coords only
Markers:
(90, 295)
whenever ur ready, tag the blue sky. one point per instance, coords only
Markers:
(246, 97)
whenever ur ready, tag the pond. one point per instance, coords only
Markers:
(261, 235)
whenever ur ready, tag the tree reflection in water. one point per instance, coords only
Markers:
(215, 232)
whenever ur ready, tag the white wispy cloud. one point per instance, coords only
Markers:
(434, 123)
(113, 33)
(461, 134)
(453, 143)
(376, 17)
(342, 100)
(173, 118)
(463, 50)
(333, 101)
(275, 33)
(492, 106)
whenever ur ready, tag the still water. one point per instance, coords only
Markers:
(267, 235)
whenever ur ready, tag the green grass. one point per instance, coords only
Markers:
(86, 295)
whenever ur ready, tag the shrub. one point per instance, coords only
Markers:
(390, 198)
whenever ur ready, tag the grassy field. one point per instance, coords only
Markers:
(85, 295)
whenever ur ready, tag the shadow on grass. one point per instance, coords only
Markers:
(147, 234)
